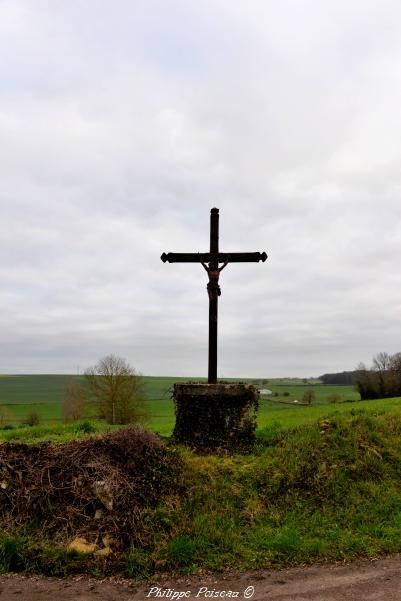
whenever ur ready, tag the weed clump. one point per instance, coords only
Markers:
(11, 553)
(180, 551)
(85, 426)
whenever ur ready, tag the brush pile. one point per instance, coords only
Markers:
(85, 486)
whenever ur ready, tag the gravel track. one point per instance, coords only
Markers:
(375, 580)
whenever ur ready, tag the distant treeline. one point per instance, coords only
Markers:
(343, 377)
(382, 380)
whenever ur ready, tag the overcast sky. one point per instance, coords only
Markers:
(122, 123)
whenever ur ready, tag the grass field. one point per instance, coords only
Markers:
(43, 394)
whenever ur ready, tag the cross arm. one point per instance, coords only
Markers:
(242, 257)
(213, 257)
(185, 257)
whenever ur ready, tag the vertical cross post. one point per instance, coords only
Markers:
(213, 259)
(213, 301)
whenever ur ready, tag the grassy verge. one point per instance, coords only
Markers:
(326, 490)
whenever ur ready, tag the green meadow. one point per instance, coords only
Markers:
(43, 394)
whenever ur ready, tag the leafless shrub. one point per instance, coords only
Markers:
(32, 419)
(308, 396)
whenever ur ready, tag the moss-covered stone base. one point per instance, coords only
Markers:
(215, 415)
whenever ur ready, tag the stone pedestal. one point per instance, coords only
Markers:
(209, 416)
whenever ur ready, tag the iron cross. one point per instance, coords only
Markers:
(210, 262)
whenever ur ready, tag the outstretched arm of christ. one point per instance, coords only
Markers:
(204, 265)
(208, 268)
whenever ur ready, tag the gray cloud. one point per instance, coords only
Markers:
(121, 126)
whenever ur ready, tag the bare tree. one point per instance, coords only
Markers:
(6, 417)
(116, 389)
(381, 362)
(308, 396)
(382, 380)
(73, 403)
(381, 365)
(365, 381)
(394, 375)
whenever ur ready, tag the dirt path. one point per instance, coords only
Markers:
(378, 580)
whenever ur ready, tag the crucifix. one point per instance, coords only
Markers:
(211, 261)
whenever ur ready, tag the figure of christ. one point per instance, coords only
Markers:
(213, 288)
